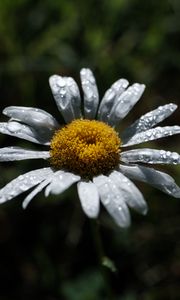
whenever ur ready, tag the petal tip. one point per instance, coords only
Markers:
(5, 111)
(24, 204)
(145, 211)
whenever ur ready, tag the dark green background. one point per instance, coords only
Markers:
(47, 251)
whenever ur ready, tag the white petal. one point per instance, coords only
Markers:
(67, 96)
(111, 199)
(91, 95)
(148, 121)
(43, 123)
(125, 103)
(129, 192)
(22, 131)
(159, 180)
(16, 153)
(150, 156)
(89, 198)
(110, 97)
(151, 134)
(60, 182)
(23, 183)
(37, 190)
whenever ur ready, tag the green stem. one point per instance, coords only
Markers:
(101, 257)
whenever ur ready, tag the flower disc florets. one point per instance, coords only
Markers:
(86, 148)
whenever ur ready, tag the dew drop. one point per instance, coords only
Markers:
(61, 82)
(13, 127)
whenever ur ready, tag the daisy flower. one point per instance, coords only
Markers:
(89, 149)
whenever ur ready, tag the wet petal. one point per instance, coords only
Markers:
(89, 198)
(129, 192)
(159, 180)
(60, 182)
(67, 97)
(110, 97)
(151, 134)
(150, 156)
(148, 120)
(43, 123)
(23, 183)
(22, 131)
(37, 190)
(16, 153)
(111, 199)
(91, 95)
(125, 103)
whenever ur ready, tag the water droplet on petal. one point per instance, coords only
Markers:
(13, 127)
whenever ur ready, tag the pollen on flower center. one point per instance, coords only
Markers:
(85, 147)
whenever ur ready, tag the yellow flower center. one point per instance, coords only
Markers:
(85, 147)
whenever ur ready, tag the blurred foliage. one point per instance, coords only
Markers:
(47, 251)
